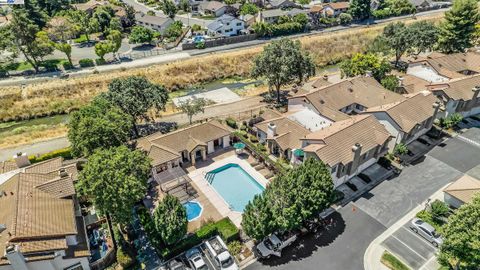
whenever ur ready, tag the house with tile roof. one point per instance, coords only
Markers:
(185, 145)
(408, 119)
(282, 136)
(462, 191)
(41, 226)
(336, 102)
(348, 146)
(460, 95)
(440, 68)
(213, 8)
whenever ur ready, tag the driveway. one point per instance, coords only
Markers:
(340, 248)
(414, 250)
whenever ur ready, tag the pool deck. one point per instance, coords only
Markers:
(198, 179)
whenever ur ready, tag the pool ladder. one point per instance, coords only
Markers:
(209, 177)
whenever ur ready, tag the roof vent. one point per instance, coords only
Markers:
(350, 90)
(322, 101)
(62, 173)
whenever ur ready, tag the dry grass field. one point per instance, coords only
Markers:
(61, 96)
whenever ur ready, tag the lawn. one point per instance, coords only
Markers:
(392, 262)
(81, 39)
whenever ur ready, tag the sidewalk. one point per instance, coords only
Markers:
(373, 254)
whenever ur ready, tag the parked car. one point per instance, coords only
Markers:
(426, 231)
(176, 264)
(219, 251)
(273, 244)
(195, 259)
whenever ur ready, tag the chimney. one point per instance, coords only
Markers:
(62, 173)
(357, 150)
(21, 159)
(15, 257)
(271, 130)
(325, 77)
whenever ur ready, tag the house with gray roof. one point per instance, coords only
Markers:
(213, 8)
(272, 15)
(156, 23)
(226, 25)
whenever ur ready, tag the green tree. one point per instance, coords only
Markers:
(170, 219)
(281, 62)
(115, 38)
(458, 29)
(60, 29)
(140, 34)
(192, 107)
(184, 5)
(399, 38)
(84, 23)
(98, 125)
(262, 29)
(102, 48)
(249, 9)
(34, 12)
(257, 217)
(379, 46)
(360, 64)
(400, 149)
(400, 7)
(115, 25)
(425, 36)
(360, 9)
(196, 28)
(115, 179)
(345, 18)
(169, 8)
(462, 238)
(301, 19)
(390, 82)
(135, 95)
(103, 15)
(174, 30)
(66, 49)
(439, 209)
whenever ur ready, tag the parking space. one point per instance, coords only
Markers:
(410, 247)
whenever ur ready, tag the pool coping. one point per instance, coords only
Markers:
(201, 209)
(198, 177)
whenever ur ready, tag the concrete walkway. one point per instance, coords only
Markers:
(373, 254)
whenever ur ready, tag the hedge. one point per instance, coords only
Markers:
(225, 228)
(87, 62)
(66, 153)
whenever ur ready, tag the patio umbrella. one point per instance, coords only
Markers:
(298, 153)
(239, 145)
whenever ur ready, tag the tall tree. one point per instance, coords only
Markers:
(462, 238)
(98, 125)
(249, 9)
(60, 29)
(257, 218)
(115, 38)
(399, 38)
(103, 15)
(360, 9)
(276, 61)
(102, 48)
(192, 107)
(424, 36)
(458, 29)
(360, 64)
(34, 12)
(135, 95)
(170, 219)
(169, 8)
(115, 179)
(83, 22)
(140, 34)
(66, 49)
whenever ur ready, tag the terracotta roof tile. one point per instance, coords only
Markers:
(458, 89)
(464, 189)
(289, 132)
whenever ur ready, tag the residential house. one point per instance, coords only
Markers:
(461, 191)
(348, 146)
(156, 23)
(459, 95)
(337, 101)
(334, 9)
(422, 4)
(272, 15)
(281, 4)
(90, 6)
(409, 84)
(41, 225)
(186, 145)
(212, 8)
(282, 136)
(408, 119)
(225, 25)
(438, 68)
(248, 19)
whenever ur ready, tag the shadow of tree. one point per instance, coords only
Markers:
(306, 245)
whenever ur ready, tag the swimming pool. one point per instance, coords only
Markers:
(235, 185)
(193, 209)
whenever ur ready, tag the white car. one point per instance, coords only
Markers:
(195, 259)
(426, 231)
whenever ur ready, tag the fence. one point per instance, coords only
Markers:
(221, 41)
(140, 55)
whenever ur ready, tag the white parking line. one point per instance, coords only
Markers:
(409, 247)
(467, 140)
(419, 237)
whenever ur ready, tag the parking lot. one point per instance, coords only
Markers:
(410, 247)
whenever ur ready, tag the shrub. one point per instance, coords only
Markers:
(253, 139)
(87, 62)
(235, 247)
(66, 153)
(231, 122)
(400, 149)
(262, 147)
(345, 18)
(66, 65)
(100, 61)
(438, 209)
(124, 259)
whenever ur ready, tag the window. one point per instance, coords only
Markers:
(239, 24)
(427, 232)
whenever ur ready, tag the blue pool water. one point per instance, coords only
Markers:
(235, 185)
(194, 210)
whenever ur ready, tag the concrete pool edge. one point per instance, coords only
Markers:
(213, 196)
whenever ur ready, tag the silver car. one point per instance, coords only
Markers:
(426, 231)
